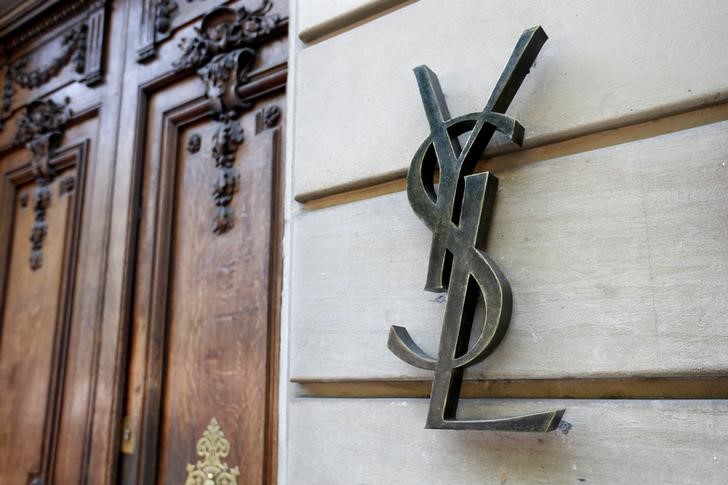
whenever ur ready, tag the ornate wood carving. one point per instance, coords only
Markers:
(157, 16)
(225, 143)
(148, 32)
(73, 51)
(51, 317)
(266, 118)
(40, 227)
(41, 129)
(223, 53)
(23, 34)
(163, 15)
(67, 185)
(81, 45)
(194, 142)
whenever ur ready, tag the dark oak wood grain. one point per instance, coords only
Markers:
(37, 312)
(139, 309)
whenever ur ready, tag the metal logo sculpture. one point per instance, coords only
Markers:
(458, 214)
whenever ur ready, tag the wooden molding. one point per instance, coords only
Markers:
(77, 31)
(71, 157)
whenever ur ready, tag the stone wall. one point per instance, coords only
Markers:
(610, 225)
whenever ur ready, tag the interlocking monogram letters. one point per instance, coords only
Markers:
(458, 213)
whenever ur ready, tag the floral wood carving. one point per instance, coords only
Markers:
(164, 9)
(41, 129)
(211, 470)
(194, 142)
(40, 226)
(267, 117)
(73, 50)
(223, 53)
(225, 143)
(271, 115)
(81, 46)
(67, 185)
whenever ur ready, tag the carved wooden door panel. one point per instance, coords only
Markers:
(201, 392)
(59, 102)
(41, 209)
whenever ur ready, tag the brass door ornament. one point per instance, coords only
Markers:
(458, 214)
(212, 448)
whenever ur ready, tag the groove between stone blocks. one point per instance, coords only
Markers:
(396, 182)
(669, 387)
(351, 19)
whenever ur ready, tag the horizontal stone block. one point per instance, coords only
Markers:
(617, 259)
(318, 18)
(359, 117)
(376, 441)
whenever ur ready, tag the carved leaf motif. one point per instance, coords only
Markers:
(163, 18)
(67, 185)
(40, 128)
(42, 117)
(74, 43)
(223, 52)
(194, 142)
(223, 74)
(271, 115)
(73, 50)
(40, 227)
(224, 30)
(69, 46)
(211, 470)
(226, 141)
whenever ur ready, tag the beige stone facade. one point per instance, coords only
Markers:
(610, 224)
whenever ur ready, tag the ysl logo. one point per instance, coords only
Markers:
(458, 213)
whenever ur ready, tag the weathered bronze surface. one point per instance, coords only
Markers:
(458, 212)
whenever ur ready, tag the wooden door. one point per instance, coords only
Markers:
(205, 296)
(41, 208)
(140, 228)
(58, 110)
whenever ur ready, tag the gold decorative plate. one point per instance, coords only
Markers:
(212, 447)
